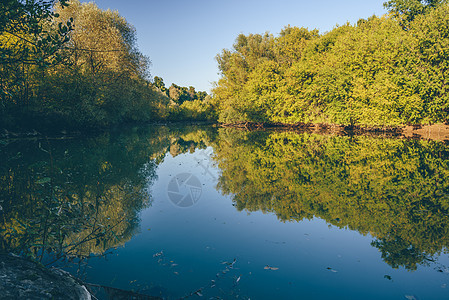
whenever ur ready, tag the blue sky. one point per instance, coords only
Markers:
(182, 37)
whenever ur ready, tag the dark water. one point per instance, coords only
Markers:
(202, 212)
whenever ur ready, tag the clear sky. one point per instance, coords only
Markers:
(182, 37)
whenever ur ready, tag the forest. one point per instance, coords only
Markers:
(71, 65)
(384, 71)
(388, 70)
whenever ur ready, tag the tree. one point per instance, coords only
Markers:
(407, 10)
(26, 35)
(179, 94)
(30, 42)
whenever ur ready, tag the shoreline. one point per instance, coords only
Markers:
(64, 133)
(435, 132)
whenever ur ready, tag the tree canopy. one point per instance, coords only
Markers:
(72, 65)
(378, 72)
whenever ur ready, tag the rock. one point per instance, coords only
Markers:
(23, 279)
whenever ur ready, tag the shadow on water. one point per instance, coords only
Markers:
(64, 201)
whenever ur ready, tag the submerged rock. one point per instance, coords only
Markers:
(23, 279)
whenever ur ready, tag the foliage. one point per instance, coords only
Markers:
(407, 10)
(99, 79)
(29, 42)
(371, 73)
(25, 32)
(196, 110)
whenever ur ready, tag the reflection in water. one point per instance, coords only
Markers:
(76, 198)
(396, 190)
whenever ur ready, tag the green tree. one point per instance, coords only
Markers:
(373, 73)
(158, 82)
(26, 35)
(407, 10)
(30, 42)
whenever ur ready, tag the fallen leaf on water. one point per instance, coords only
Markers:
(198, 293)
(158, 254)
(388, 277)
(267, 267)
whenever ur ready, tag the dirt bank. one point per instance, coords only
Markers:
(437, 132)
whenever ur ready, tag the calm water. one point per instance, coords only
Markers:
(203, 212)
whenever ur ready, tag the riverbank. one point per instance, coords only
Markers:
(63, 133)
(437, 132)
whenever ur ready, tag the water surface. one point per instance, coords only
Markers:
(198, 211)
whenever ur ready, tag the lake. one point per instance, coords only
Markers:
(203, 212)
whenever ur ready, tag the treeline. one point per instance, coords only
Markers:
(388, 70)
(72, 65)
(186, 103)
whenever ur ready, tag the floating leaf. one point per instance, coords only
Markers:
(158, 254)
(388, 277)
(198, 293)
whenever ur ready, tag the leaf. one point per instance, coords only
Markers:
(158, 254)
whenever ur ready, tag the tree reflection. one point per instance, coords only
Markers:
(77, 198)
(393, 189)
